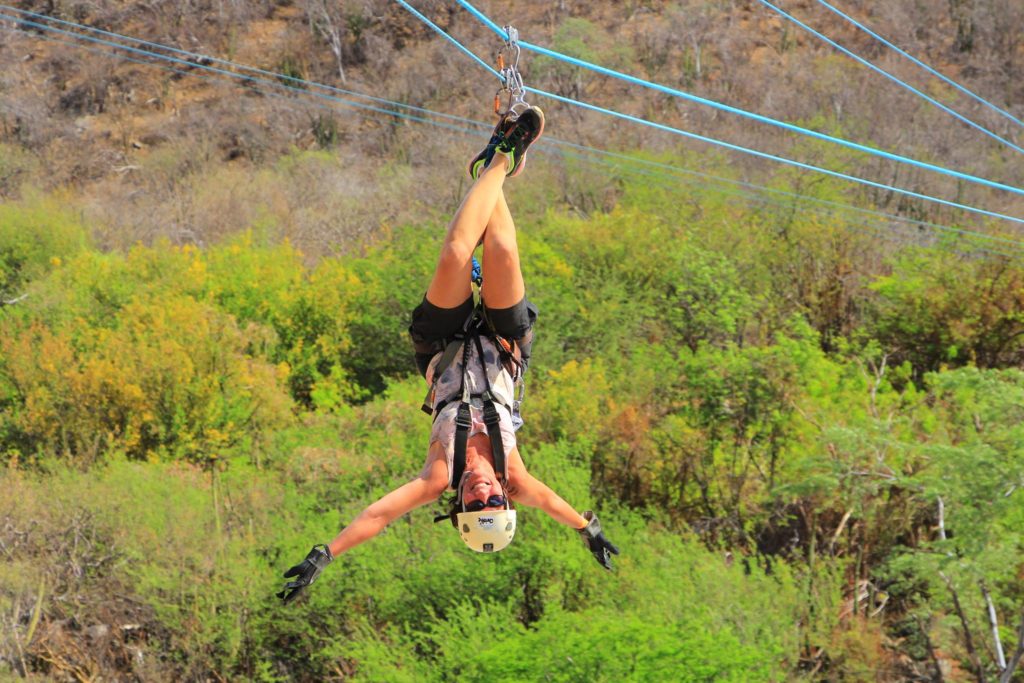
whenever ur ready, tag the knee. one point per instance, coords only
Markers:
(455, 255)
(502, 250)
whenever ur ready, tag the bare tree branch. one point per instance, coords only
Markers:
(968, 638)
(1007, 673)
(931, 649)
(879, 373)
(324, 20)
(994, 624)
(839, 529)
(11, 302)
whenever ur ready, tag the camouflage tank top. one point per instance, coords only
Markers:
(447, 391)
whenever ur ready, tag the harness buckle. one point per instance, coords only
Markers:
(491, 416)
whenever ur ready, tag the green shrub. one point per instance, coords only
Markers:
(940, 309)
(171, 377)
(36, 235)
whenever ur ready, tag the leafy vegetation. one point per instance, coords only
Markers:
(793, 498)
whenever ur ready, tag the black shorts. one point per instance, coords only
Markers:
(432, 326)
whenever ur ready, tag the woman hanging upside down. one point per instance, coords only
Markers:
(472, 357)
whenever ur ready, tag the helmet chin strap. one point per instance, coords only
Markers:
(462, 482)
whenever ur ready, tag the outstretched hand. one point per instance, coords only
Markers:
(306, 572)
(593, 537)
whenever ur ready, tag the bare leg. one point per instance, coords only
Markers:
(503, 284)
(450, 286)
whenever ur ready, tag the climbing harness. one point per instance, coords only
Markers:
(509, 352)
(482, 530)
(476, 327)
(511, 80)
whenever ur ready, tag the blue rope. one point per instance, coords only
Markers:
(740, 148)
(773, 157)
(675, 170)
(486, 20)
(742, 112)
(589, 150)
(454, 42)
(344, 102)
(875, 229)
(921, 64)
(861, 60)
(907, 231)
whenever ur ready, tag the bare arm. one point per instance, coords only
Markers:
(526, 489)
(430, 484)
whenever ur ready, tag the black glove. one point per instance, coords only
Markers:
(306, 571)
(601, 547)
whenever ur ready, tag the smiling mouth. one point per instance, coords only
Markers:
(477, 485)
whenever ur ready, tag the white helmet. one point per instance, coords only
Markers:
(487, 531)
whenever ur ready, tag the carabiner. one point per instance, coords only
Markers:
(512, 80)
(512, 42)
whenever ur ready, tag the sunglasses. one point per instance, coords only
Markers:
(478, 505)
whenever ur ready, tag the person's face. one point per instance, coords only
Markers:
(481, 485)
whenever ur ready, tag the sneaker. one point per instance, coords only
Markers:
(512, 138)
(481, 160)
(518, 137)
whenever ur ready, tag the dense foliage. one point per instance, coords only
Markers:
(809, 456)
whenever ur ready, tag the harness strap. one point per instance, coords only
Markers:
(463, 421)
(493, 423)
(483, 366)
(497, 400)
(471, 332)
(492, 420)
(509, 350)
(446, 360)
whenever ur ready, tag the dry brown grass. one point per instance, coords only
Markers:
(141, 145)
(62, 610)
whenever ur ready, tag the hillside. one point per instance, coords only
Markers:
(137, 142)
